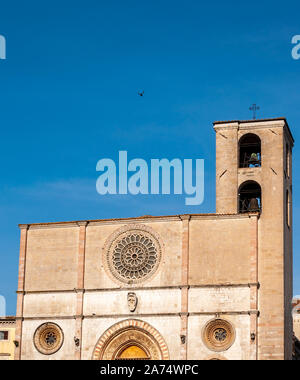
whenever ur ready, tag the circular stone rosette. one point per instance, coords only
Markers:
(48, 338)
(132, 254)
(218, 335)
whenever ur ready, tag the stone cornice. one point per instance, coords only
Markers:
(185, 217)
(83, 223)
(7, 323)
(227, 127)
(23, 226)
(145, 219)
(141, 315)
(255, 124)
(250, 121)
(142, 288)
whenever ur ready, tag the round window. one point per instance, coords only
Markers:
(48, 338)
(218, 335)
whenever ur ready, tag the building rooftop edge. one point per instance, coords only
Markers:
(256, 120)
(249, 120)
(8, 318)
(136, 218)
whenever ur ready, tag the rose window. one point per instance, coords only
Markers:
(48, 338)
(218, 335)
(133, 256)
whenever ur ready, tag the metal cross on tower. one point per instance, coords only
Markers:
(254, 108)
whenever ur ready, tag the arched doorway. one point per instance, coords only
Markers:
(131, 339)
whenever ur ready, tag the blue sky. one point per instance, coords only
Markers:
(68, 97)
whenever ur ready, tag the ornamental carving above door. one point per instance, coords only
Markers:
(131, 339)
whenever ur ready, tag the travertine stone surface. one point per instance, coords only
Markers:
(51, 258)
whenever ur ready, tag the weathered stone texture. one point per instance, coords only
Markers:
(51, 261)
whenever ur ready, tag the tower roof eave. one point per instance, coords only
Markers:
(257, 121)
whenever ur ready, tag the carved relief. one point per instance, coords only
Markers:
(131, 334)
(132, 301)
(134, 337)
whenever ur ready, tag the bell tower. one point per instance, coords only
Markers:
(254, 174)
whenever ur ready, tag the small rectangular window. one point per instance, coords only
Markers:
(3, 335)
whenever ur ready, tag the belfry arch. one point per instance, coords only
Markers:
(131, 339)
(249, 197)
(249, 151)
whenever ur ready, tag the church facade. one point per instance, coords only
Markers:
(196, 286)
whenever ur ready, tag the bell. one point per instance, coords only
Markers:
(253, 205)
(253, 157)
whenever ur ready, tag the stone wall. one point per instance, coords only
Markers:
(216, 259)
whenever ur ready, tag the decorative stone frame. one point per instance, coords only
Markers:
(208, 335)
(39, 338)
(123, 232)
(133, 331)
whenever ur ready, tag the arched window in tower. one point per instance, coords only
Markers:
(250, 151)
(250, 197)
